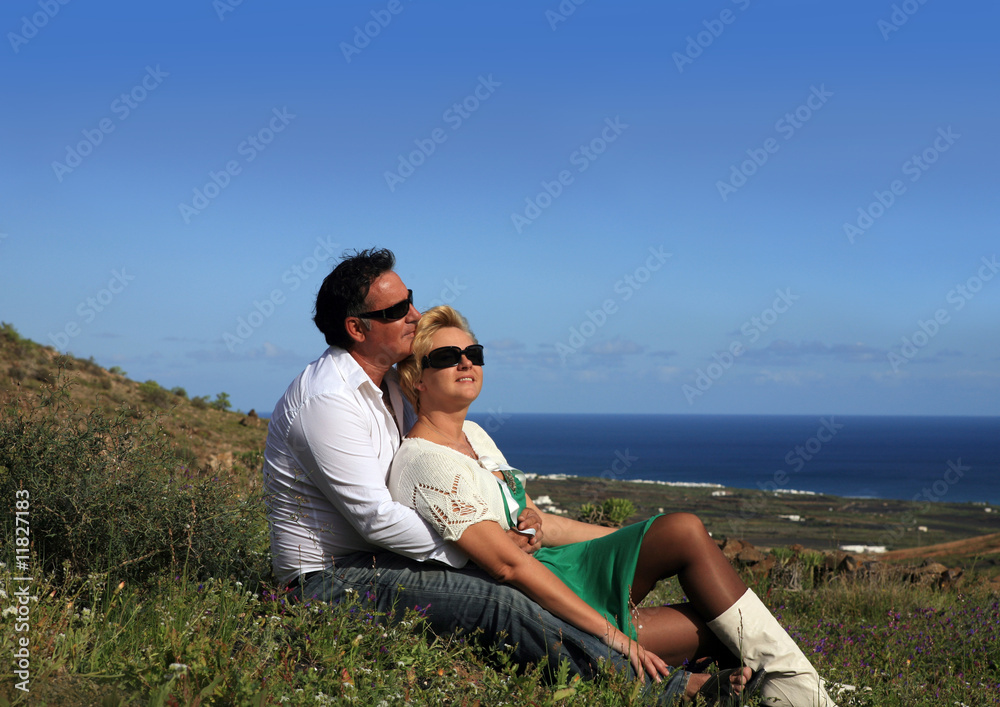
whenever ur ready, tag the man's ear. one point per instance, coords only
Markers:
(355, 329)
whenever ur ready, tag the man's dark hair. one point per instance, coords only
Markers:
(345, 290)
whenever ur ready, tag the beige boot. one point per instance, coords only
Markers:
(752, 633)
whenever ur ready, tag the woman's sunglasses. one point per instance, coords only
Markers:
(393, 313)
(448, 356)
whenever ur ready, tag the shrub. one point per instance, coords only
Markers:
(19, 346)
(8, 332)
(200, 401)
(106, 496)
(221, 402)
(179, 392)
(612, 513)
(117, 370)
(151, 392)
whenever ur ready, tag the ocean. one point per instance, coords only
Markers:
(951, 459)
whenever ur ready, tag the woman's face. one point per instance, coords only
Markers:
(454, 387)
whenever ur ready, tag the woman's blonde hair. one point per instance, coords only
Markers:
(410, 368)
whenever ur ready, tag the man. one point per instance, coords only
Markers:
(334, 527)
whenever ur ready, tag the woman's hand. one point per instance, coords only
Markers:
(529, 518)
(644, 662)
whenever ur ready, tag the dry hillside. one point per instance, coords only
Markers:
(199, 429)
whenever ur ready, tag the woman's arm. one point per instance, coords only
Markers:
(560, 530)
(490, 548)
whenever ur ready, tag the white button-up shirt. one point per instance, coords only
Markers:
(329, 445)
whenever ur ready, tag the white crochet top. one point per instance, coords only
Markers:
(448, 489)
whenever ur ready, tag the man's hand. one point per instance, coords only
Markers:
(528, 519)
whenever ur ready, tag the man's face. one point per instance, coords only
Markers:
(388, 343)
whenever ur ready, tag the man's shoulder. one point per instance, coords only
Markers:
(332, 375)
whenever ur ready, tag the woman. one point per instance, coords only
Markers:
(450, 471)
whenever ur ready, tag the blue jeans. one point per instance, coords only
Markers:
(469, 599)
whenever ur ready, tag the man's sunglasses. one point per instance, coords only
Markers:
(393, 313)
(448, 356)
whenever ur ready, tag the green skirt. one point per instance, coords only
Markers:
(600, 571)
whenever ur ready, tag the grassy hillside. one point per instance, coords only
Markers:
(200, 428)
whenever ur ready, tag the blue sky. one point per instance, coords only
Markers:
(722, 207)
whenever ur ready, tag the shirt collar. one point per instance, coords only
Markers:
(354, 375)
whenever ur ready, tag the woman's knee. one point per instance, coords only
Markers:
(680, 527)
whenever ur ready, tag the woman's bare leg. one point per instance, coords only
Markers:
(677, 634)
(678, 544)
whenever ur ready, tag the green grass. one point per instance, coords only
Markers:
(218, 642)
(179, 641)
